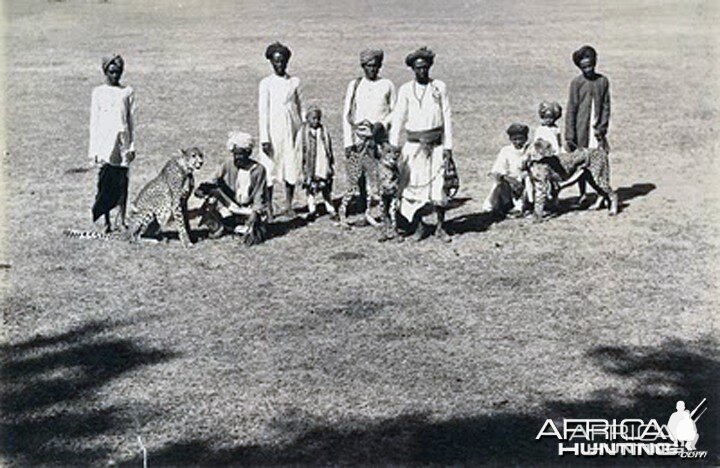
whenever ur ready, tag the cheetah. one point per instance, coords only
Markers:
(163, 198)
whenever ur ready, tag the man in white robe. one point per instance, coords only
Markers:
(279, 112)
(112, 140)
(424, 109)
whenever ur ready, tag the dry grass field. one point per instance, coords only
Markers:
(323, 346)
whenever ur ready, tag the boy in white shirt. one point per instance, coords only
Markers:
(511, 190)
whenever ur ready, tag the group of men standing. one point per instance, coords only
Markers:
(420, 106)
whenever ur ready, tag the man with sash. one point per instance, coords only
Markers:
(424, 109)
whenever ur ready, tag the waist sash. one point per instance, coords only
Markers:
(432, 137)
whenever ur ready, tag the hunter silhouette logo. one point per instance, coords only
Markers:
(629, 437)
(681, 425)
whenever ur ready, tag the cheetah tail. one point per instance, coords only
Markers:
(77, 234)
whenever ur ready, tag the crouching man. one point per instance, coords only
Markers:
(237, 199)
(511, 192)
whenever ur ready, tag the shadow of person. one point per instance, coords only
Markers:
(457, 202)
(281, 227)
(473, 222)
(566, 205)
(635, 190)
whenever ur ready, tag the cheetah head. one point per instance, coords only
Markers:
(542, 148)
(191, 159)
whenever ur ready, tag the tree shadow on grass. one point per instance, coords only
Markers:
(659, 375)
(48, 387)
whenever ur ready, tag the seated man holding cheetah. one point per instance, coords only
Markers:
(237, 199)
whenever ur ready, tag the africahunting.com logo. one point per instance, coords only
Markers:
(628, 437)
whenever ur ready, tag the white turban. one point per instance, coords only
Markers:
(240, 140)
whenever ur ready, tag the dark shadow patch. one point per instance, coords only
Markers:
(635, 190)
(78, 170)
(354, 309)
(457, 202)
(49, 383)
(346, 255)
(660, 376)
(474, 222)
(432, 332)
(281, 227)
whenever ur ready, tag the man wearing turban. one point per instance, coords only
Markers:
(423, 108)
(279, 112)
(112, 140)
(369, 98)
(588, 109)
(238, 191)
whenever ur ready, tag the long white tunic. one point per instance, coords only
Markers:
(112, 126)
(421, 107)
(279, 121)
(374, 101)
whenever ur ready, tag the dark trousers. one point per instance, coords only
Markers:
(112, 189)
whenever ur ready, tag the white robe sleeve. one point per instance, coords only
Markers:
(447, 119)
(94, 127)
(298, 100)
(130, 123)
(391, 97)
(263, 109)
(398, 116)
(500, 167)
(347, 128)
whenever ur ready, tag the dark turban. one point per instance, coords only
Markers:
(585, 51)
(371, 54)
(116, 59)
(279, 48)
(421, 53)
(518, 129)
(551, 109)
(313, 109)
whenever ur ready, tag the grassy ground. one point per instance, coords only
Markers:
(323, 346)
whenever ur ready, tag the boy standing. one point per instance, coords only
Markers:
(588, 109)
(112, 144)
(314, 148)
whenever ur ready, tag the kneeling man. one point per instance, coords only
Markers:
(237, 198)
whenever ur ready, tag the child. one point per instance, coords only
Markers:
(314, 149)
(112, 144)
(549, 113)
(511, 190)
(588, 109)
